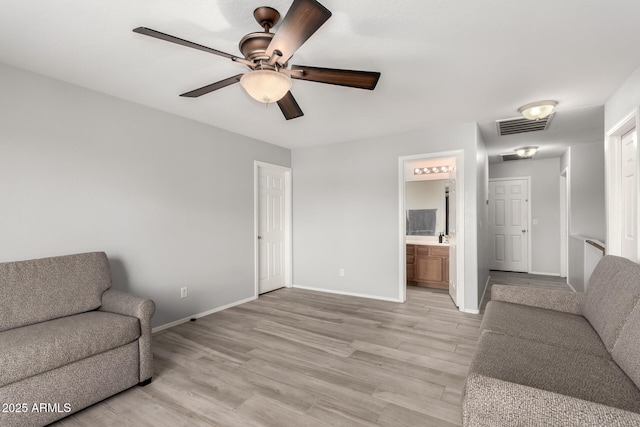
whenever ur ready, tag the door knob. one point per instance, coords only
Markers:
(524, 230)
(259, 237)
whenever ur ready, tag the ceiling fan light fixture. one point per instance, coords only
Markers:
(267, 54)
(266, 85)
(538, 110)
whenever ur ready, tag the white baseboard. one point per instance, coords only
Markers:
(351, 294)
(572, 288)
(470, 311)
(486, 286)
(204, 313)
(545, 274)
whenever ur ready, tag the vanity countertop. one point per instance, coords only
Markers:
(425, 243)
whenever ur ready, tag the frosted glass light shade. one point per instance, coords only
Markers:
(266, 85)
(537, 110)
(526, 151)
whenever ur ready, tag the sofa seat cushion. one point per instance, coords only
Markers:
(551, 368)
(33, 349)
(565, 330)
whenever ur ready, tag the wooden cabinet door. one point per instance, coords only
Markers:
(411, 270)
(432, 266)
(429, 269)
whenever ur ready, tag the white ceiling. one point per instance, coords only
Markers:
(442, 62)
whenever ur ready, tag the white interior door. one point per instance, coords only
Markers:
(629, 202)
(508, 224)
(453, 240)
(272, 233)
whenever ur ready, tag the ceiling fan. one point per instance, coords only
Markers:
(267, 55)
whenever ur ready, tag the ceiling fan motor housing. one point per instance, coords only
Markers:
(254, 45)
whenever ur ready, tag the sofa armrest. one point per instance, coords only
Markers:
(551, 299)
(115, 301)
(493, 402)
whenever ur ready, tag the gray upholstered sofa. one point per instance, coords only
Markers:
(67, 341)
(548, 357)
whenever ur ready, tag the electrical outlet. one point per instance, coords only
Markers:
(342, 272)
(183, 292)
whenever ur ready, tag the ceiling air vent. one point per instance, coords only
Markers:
(522, 125)
(510, 156)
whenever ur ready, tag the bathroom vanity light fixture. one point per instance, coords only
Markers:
(538, 110)
(431, 169)
(526, 152)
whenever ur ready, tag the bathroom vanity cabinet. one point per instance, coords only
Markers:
(428, 265)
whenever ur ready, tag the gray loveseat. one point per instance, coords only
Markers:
(548, 357)
(67, 341)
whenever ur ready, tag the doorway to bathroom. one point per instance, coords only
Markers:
(431, 222)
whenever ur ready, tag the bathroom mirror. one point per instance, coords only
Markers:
(426, 207)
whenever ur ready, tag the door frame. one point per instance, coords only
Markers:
(529, 203)
(402, 224)
(565, 218)
(288, 240)
(612, 179)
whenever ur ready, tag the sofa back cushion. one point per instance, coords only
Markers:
(48, 288)
(625, 351)
(613, 292)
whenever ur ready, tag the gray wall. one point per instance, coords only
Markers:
(586, 204)
(545, 207)
(625, 100)
(482, 212)
(576, 263)
(587, 215)
(345, 204)
(169, 200)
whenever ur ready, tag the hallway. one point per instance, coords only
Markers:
(522, 279)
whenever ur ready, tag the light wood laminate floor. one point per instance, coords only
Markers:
(302, 358)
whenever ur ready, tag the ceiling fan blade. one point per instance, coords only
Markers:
(213, 86)
(349, 78)
(302, 20)
(290, 107)
(166, 37)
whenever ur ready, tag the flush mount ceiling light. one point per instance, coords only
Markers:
(432, 169)
(266, 85)
(538, 110)
(526, 152)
